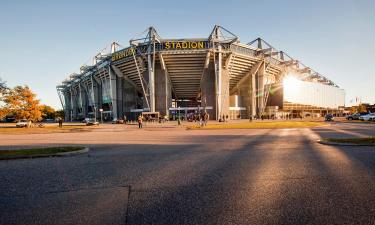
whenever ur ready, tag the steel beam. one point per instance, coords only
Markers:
(251, 73)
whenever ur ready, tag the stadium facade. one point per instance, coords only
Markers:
(218, 74)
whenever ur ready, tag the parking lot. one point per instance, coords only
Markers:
(165, 174)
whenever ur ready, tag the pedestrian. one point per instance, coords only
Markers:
(140, 121)
(226, 118)
(206, 118)
(124, 119)
(60, 122)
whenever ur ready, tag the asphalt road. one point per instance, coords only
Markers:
(174, 176)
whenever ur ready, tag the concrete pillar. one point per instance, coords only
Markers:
(252, 95)
(74, 105)
(163, 94)
(218, 86)
(224, 95)
(100, 96)
(260, 87)
(113, 92)
(151, 78)
(67, 108)
(83, 100)
(120, 97)
(95, 96)
(208, 90)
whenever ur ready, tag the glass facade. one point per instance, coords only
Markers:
(313, 94)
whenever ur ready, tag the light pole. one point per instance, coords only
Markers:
(94, 113)
(101, 115)
(179, 116)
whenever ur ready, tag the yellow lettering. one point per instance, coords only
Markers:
(178, 45)
(167, 45)
(193, 44)
(184, 45)
(200, 44)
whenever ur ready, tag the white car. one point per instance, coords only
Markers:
(21, 123)
(370, 116)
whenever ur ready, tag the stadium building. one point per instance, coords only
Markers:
(180, 77)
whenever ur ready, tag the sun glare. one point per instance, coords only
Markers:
(291, 85)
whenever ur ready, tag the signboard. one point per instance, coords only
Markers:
(175, 45)
(190, 108)
(165, 45)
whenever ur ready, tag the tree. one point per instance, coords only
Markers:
(3, 91)
(48, 112)
(60, 113)
(3, 86)
(353, 109)
(362, 108)
(20, 101)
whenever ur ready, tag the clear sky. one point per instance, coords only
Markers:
(41, 42)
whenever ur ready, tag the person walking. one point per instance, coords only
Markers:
(206, 118)
(140, 121)
(60, 121)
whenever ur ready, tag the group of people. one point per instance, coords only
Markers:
(224, 118)
(203, 119)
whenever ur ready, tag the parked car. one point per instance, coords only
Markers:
(368, 117)
(85, 120)
(117, 121)
(91, 122)
(329, 117)
(22, 123)
(353, 116)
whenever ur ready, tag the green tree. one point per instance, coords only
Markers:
(22, 103)
(48, 112)
(3, 86)
(3, 91)
(60, 113)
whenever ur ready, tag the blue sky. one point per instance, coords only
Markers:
(41, 42)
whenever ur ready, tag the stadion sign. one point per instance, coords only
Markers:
(166, 45)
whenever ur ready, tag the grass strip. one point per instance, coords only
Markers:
(38, 151)
(366, 140)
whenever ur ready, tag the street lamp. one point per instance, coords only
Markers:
(179, 116)
(101, 115)
(94, 113)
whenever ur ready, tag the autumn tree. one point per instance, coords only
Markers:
(22, 103)
(362, 108)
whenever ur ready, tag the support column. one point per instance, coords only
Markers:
(208, 90)
(95, 96)
(112, 91)
(225, 95)
(163, 95)
(252, 94)
(72, 105)
(83, 102)
(67, 108)
(218, 86)
(151, 82)
(260, 87)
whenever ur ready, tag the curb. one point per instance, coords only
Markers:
(342, 144)
(60, 154)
